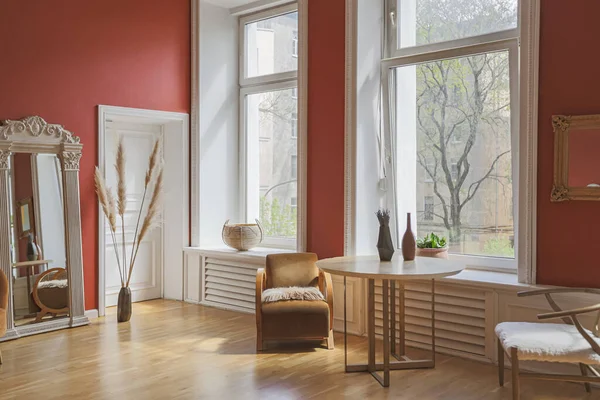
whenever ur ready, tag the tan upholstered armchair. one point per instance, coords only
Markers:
(293, 319)
(3, 305)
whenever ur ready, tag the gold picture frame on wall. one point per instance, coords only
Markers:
(564, 126)
(25, 217)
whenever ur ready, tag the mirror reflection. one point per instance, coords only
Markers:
(584, 158)
(40, 285)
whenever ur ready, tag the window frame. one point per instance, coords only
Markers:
(246, 81)
(505, 40)
(262, 84)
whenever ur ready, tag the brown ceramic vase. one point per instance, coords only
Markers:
(409, 245)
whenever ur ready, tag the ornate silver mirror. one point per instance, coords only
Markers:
(40, 226)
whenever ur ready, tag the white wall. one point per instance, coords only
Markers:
(369, 198)
(219, 140)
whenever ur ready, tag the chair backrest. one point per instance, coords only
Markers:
(3, 291)
(293, 269)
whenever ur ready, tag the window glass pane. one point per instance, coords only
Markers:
(432, 21)
(272, 162)
(272, 45)
(453, 123)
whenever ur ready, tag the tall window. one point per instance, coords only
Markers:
(268, 95)
(452, 74)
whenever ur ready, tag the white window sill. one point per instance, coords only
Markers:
(488, 279)
(229, 253)
(469, 277)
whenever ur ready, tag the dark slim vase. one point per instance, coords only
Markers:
(409, 245)
(385, 245)
(124, 305)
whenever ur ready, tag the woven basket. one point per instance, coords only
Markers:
(242, 236)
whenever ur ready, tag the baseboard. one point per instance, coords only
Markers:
(91, 314)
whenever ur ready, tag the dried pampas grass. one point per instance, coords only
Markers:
(152, 163)
(107, 202)
(102, 192)
(122, 183)
(150, 221)
(112, 206)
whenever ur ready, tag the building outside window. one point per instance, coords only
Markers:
(294, 166)
(295, 44)
(428, 208)
(294, 127)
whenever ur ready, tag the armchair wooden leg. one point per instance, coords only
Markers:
(583, 368)
(330, 345)
(0, 357)
(500, 363)
(514, 359)
(259, 341)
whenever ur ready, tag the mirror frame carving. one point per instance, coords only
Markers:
(34, 135)
(562, 124)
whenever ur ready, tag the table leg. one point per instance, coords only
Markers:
(345, 330)
(433, 321)
(402, 320)
(403, 362)
(386, 334)
(371, 324)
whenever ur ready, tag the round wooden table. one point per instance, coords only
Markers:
(389, 272)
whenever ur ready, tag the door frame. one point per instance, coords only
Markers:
(153, 117)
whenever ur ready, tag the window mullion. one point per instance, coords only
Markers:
(449, 53)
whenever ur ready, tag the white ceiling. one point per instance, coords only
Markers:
(229, 3)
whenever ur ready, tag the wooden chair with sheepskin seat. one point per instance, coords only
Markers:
(294, 300)
(567, 342)
(51, 293)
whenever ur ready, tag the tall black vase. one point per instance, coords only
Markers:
(124, 305)
(385, 245)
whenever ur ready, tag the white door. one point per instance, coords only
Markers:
(158, 270)
(146, 279)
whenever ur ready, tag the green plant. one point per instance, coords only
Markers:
(431, 241)
(277, 220)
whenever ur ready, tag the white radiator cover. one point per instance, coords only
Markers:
(460, 315)
(223, 278)
(230, 284)
(466, 311)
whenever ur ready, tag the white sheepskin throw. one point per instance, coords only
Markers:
(291, 293)
(547, 342)
(57, 283)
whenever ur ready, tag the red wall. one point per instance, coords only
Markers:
(61, 58)
(326, 82)
(568, 84)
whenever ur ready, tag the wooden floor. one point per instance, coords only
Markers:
(172, 350)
